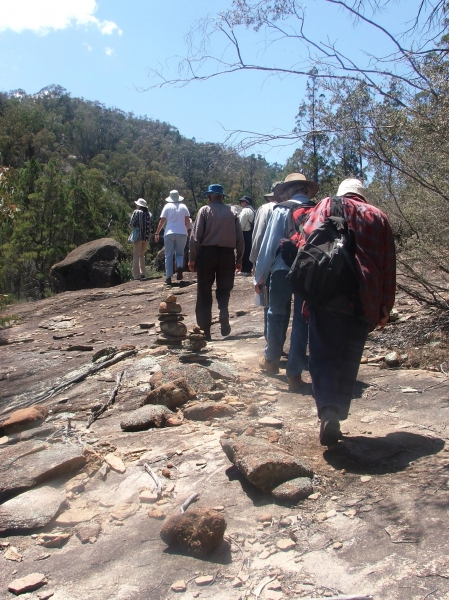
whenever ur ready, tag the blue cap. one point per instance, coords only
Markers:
(214, 188)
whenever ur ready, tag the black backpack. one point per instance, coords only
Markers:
(325, 266)
(298, 213)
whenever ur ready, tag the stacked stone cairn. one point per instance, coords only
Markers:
(196, 340)
(173, 330)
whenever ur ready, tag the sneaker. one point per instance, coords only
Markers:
(225, 327)
(179, 274)
(330, 427)
(295, 383)
(271, 367)
(168, 281)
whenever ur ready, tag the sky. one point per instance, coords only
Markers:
(104, 50)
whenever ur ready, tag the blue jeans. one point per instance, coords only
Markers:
(174, 243)
(280, 298)
(335, 347)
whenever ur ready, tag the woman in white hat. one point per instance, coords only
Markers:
(140, 236)
(175, 217)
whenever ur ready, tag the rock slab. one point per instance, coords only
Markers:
(197, 532)
(151, 415)
(264, 465)
(30, 463)
(29, 583)
(31, 509)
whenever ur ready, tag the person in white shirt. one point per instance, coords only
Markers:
(175, 218)
(246, 218)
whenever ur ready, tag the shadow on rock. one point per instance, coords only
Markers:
(257, 497)
(221, 555)
(388, 454)
(243, 335)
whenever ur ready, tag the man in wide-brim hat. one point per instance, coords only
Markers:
(296, 192)
(246, 218)
(216, 251)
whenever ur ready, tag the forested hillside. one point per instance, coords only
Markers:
(71, 170)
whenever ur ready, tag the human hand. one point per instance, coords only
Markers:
(156, 237)
(192, 266)
(238, 267)
(258, 288)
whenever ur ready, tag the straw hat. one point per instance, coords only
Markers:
(174, 197)
(352, 186)
(294, 178)
(140, 202)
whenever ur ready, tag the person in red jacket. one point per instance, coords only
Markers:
(338, 330)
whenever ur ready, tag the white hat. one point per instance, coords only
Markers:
(174, 197)
(351, 186)
(140, 202)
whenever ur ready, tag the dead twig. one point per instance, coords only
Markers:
(155, 478)
(430, 593)
(344, 598)
(260, 587)
(94, 416)
(185, 505)
(107, 363)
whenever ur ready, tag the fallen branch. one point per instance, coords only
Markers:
(94, 416)
(185, 505)
(260, 587)
(155, 478)
(107, 363)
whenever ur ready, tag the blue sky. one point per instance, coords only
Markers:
(103, 51)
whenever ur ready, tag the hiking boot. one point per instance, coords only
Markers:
(330, 426)
(295, 383)
(179, 275)
(168, 281)
(271, 367)
(207, 335)
(225, 327)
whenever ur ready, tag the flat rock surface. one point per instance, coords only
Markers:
(32, 509)
(373, 525)
(27, 464)
(29, 583)
(24, 419)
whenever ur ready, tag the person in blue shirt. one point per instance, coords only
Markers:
(271, 266)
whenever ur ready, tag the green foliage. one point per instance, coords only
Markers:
(7, 320)
(74, 169)
(125, 270)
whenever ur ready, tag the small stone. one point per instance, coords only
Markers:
(124, 511)
(43, 557)
(53, 540)
(173, 422)
(392, 359)
(156, 513)
(29, 583)
(263, 518)
(169, 307)
(218, 508)
(87, 533)
(274, 585)
(24, 418)
(236, 582)
(204, 580)
(337, 545)
(294, 490)
(264, 555)
(148, 497)
(270, 422)
(170, 298)
(197, 532)
(179, 586)
(285, 544)
(166, 472)
(203, 411)
(12, 554)
(331, 513)
(45, 595)
(115, 462)
(365, 478)
(103, 471)
(74, 516)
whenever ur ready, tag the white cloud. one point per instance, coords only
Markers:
(87, 46)
(41, 16)
(109, 51)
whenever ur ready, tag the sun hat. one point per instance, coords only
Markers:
(174, 197)
(214, 188)
(352, 186)
(295, 178)
(140, 202)
(271, 194)
(246, 199)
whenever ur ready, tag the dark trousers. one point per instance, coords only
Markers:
(214, 264)
(336, 342)
(247, 265)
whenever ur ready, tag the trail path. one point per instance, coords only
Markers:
(376, 523)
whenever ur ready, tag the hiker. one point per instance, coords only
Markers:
(141, 223)
(338, 330)
(216, 235)
(261, 219)
(246, 218)
(271, 264)
(175, 217)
